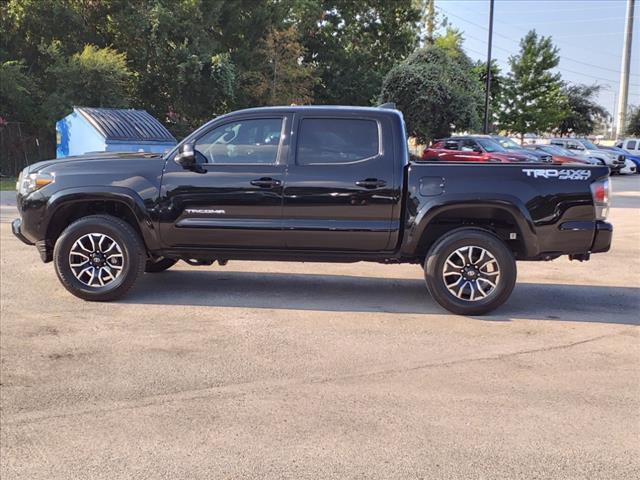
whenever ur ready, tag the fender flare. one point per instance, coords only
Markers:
(506, 203)
(123, 195)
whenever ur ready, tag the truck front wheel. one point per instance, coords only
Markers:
(99, 258)
(470, 272)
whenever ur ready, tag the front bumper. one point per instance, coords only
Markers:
(44, 247)
(16, 228)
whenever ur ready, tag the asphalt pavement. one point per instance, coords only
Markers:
(309, 371)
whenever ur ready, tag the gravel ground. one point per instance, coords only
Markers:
(285, 370)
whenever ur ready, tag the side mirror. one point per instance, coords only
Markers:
(186, 156)
(477, 149)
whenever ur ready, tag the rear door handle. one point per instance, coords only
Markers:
(371, 183)
(266, 182)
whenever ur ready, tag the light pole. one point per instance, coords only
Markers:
(624, 70)
(487, 93)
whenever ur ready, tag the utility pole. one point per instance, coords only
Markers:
(624, 70)
(487, 93)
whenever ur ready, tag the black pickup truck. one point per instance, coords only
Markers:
(327, 184)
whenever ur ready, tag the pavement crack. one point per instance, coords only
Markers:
(235, 389)
(466, 360)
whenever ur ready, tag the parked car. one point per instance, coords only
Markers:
(340, 189)
(513, 147)
(561, 156)
(472, 149)
(583, 146)
(629, 167)
(631, 145)
(627, 155)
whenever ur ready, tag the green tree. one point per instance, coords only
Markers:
(94, 77)
(497, 83)
(583, 112)
(633, 122)
(354, 44)
(532, 98)
(19, 93)
(284, 78)
(432, 20)
(436, 93)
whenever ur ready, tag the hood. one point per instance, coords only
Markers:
(88, 157)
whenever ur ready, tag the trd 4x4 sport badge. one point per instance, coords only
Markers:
(564, 174)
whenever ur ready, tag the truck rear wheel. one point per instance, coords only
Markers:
(470, 272)
(99, 258)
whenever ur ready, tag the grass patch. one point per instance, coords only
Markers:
(7, 183)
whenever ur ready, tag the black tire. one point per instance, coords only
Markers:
(159, 265)
(128, 241)
(434, 269)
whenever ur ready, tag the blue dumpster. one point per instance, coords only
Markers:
(110, 130)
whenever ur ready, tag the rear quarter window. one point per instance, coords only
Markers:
(336, 140)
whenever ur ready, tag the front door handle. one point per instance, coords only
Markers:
(266, 182)
(371, 183)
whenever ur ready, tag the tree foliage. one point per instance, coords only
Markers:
(532, 99)
(283, 79)
(582, 112)
(354, 44)
(19, 93)
(98, 77)
(436, 91)
(633, 122)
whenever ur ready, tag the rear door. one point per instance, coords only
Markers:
(470, 151)
(450, 151)
(340, 189)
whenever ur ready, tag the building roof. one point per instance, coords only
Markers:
(119, 124)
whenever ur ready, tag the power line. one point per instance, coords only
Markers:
(517, 42)
(560, 68)
(583, 20)
(559, 10)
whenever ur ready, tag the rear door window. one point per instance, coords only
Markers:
(631, 145)
(336, 140)
(468, 145)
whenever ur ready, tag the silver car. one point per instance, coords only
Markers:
(583, 146)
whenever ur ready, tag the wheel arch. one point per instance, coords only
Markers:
(497, 217)
(66, 206)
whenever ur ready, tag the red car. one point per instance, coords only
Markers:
(468, 149)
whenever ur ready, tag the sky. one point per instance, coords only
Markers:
(589, 34)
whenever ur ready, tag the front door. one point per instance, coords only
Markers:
(340, 189)
(234, 196)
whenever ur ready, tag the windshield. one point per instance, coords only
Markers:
(589, 145)
(490, 146)
(508, 143)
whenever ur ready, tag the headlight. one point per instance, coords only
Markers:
(31, 182)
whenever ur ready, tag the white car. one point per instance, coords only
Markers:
(631, 145)
(629, 167)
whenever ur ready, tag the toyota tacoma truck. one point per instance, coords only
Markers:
(312, 184)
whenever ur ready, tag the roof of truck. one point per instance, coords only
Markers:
(318, 108)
